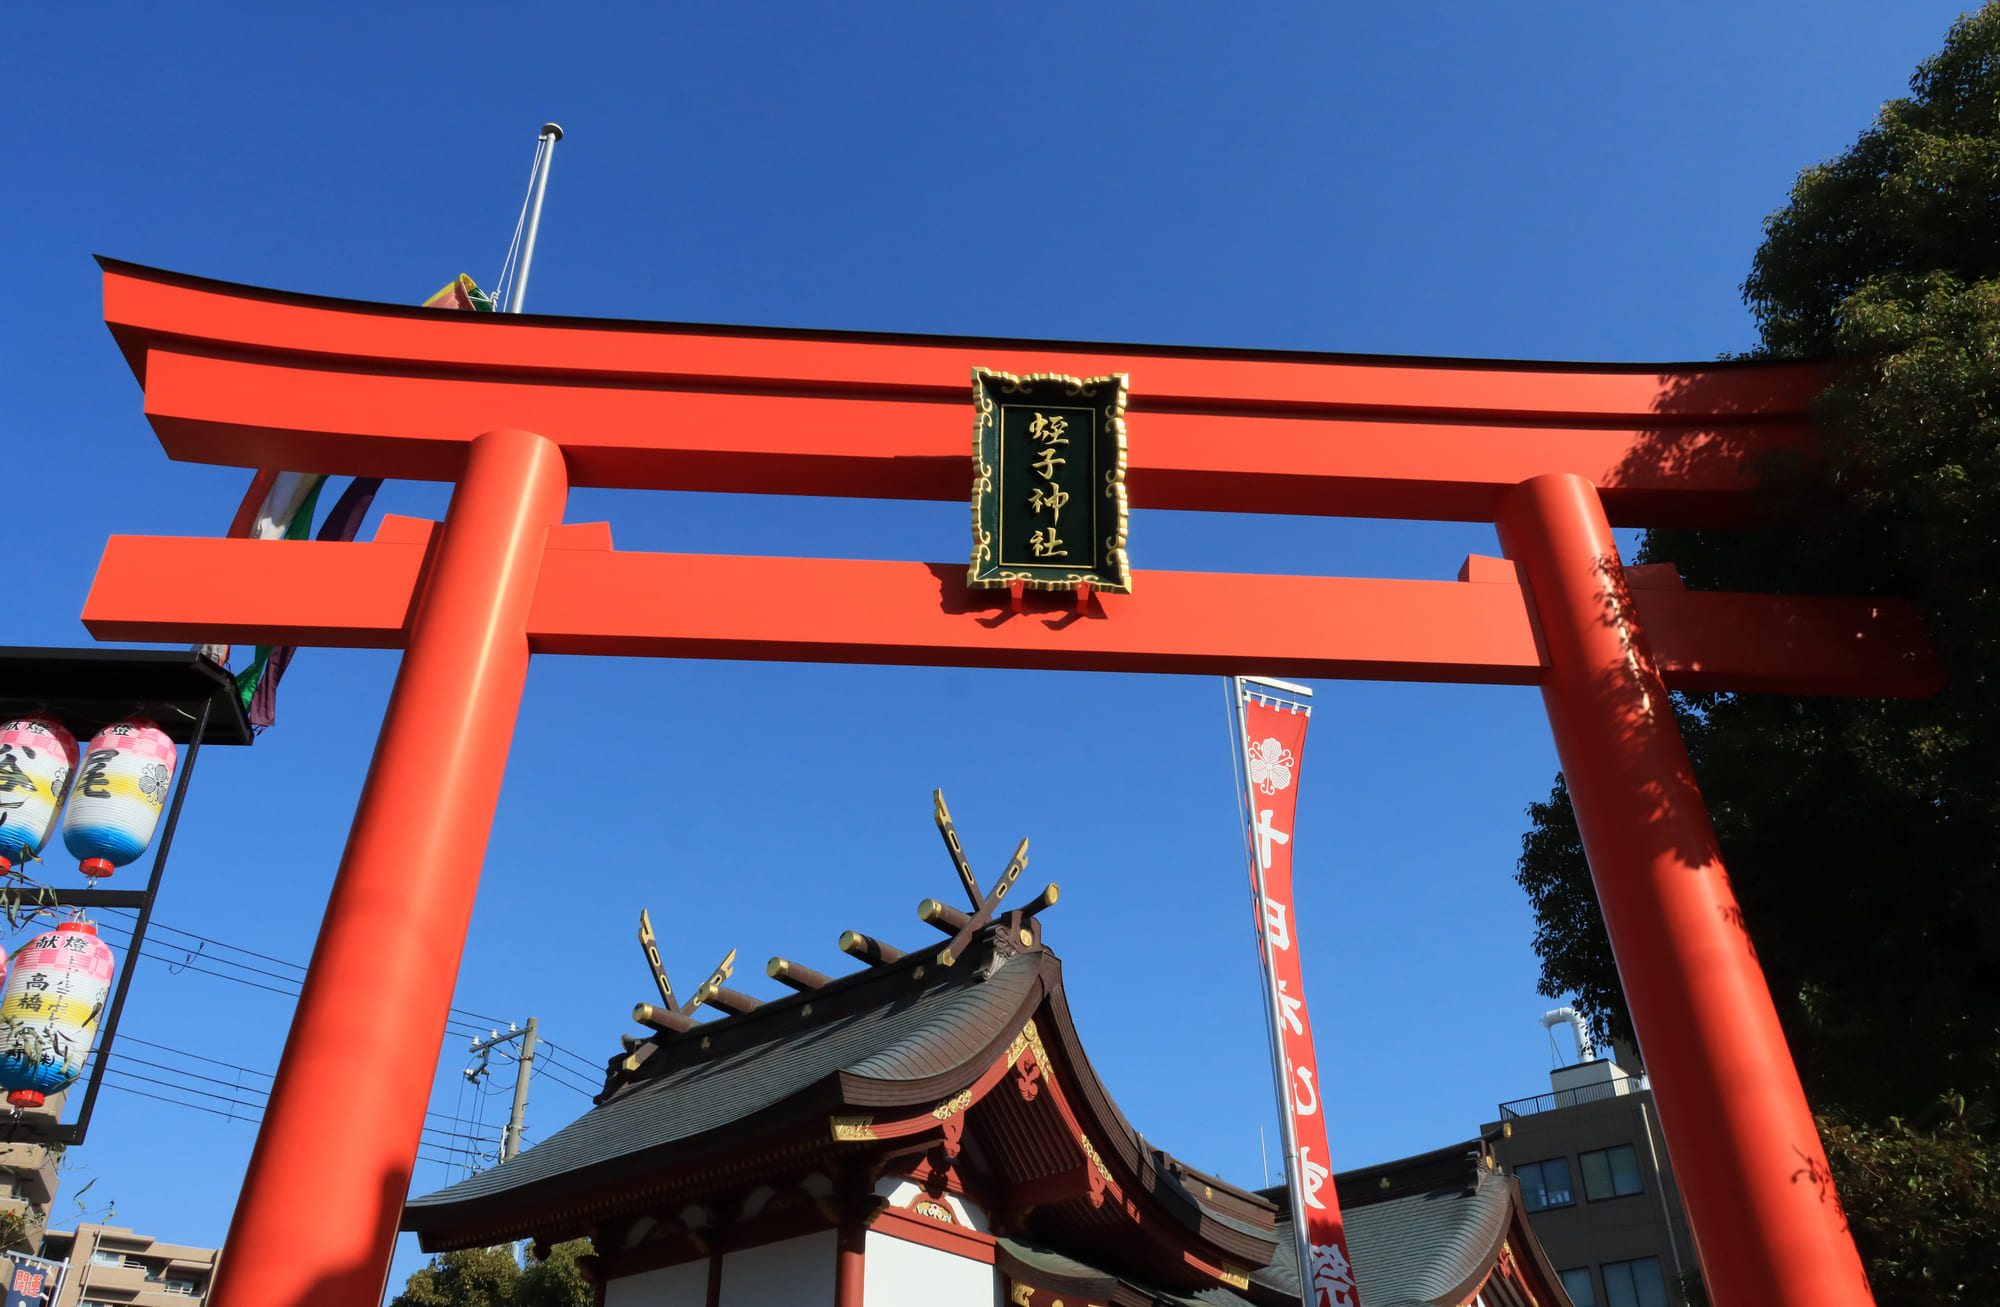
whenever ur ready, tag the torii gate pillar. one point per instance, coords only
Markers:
(1772, 1229)
(315, 1223)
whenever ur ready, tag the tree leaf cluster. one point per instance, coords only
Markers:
(1863, 836)
(491, 1277)
(1924, 1204)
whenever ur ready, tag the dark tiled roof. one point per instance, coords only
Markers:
(1059, 1273)
(1426, 1237)
(879, 1036)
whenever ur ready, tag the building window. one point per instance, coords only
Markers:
(99, 1257)
(181, 1286)
(1576, 1284)
(1610, 1173)
(1545, 1184)
(1634, 1284)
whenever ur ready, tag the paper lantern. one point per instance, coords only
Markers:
(58, 989)
(119, 790)
(37, 760)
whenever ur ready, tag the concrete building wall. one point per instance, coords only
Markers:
(1587, 1233)
(111, 1265)
(28, 1178)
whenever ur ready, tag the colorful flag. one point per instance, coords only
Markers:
(461, 294)
(1271, 740)
(258, 684)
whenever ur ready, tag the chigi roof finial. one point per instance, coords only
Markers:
(1013, 932)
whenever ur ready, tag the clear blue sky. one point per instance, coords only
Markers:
(1564, 180)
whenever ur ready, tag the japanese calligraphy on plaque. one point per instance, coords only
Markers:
(1048, 486)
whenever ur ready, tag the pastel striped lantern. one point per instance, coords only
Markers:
(58, 989)
(37, 760)
(119, 791)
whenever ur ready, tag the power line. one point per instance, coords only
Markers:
(122, 1056)
(253, 1111)
(470, 1017)
(182, 1071)
(570, 1085)
(561, 1066)
(186, 1089)
(134, 1039)
(127, 1089)
(580, 1064)
(579, 1073)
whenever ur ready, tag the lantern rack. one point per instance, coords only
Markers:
(195, 702)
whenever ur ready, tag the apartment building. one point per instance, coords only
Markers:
(28, 1182)
(109, 1266)
(1597, 1185)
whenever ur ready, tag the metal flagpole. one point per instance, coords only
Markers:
(1294, 1181)
(551, 133)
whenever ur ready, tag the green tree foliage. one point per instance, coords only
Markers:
(557, 1281)
(1925, 1205)
(491, 1277)
(1863, 837)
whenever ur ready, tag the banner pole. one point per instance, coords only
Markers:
(1273, 1029)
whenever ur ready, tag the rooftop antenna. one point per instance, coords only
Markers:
(545, 152)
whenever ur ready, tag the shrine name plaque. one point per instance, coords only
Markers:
(1048, 483)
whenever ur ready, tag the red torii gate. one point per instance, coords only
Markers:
(515, 410)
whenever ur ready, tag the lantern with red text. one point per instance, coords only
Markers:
(119, 791)
(37, 760)
(48, 1017)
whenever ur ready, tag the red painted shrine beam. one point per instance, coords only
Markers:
(249, 377)
(599, 601)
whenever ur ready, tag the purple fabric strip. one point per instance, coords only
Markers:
(349, 511)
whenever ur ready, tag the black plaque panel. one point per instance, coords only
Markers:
(1048, 492)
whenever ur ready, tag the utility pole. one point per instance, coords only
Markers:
(524, 1061)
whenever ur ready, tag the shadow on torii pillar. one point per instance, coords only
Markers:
(517, 409)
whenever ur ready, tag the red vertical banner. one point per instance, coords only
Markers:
(1272, 741)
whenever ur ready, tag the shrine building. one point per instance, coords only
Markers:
(930, 1134)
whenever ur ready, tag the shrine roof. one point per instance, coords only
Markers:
(882, 1037)
(1060, 1273)
(1422, 1230)
(710, 1112)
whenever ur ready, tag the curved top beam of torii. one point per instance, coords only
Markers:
(249, 377)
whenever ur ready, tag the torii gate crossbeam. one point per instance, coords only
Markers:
(515, 410)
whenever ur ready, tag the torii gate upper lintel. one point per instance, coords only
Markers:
(515, 410)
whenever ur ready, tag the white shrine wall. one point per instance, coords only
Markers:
(899, 1273)
(791, 1271)
(685, 1285)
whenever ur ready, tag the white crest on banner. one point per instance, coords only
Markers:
(1271, 766)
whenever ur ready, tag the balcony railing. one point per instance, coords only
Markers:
(1565, 1098)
